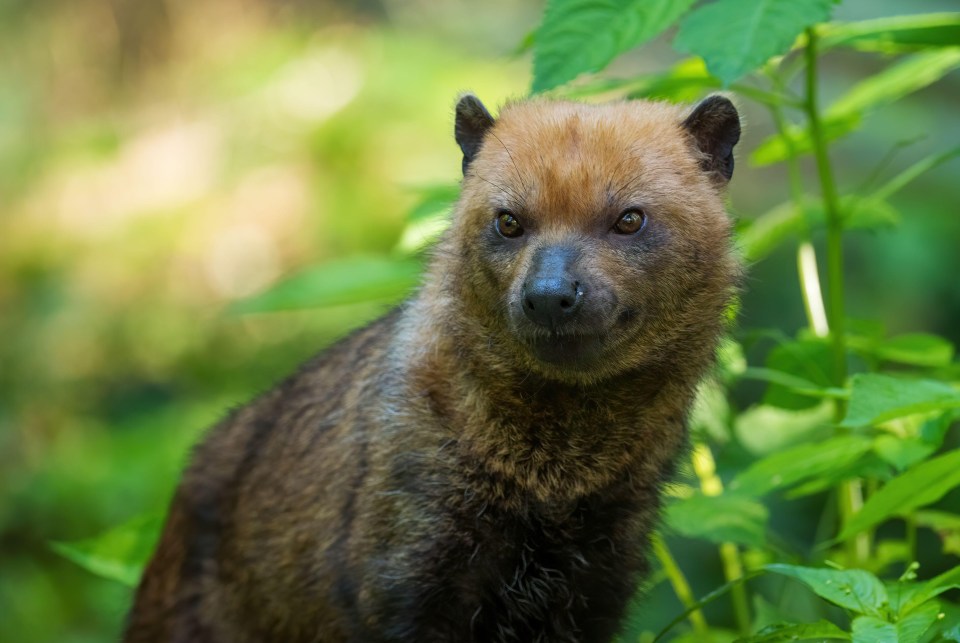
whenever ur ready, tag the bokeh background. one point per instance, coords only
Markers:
(161, 161)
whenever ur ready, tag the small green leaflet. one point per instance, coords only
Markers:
(737, 36)
(877, 398)
(922, 485)
(118, 554)
(579, 36)
(854, 589)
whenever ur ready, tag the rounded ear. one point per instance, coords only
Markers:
(472, 122)
(715, 127)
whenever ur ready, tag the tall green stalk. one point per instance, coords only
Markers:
(851, 492)
(831, 203)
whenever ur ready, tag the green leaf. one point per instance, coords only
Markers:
(877, 398)
(779, 632)
(777, 148)
(119, 554)
(914, 625)
(893, 34)
(735, 37)
(902, 452)
(765, 233)
(931, 589)
(905, 77)
(720, 519)
(579, 36)
(895, 184)
(764, 429)
(347, 281)
(869, 629)
(810, 359)
(853, 589)
(845, 114)
(800, 463)
(917, 349)
(922, 485)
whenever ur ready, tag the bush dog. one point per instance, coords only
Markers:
(484, 463)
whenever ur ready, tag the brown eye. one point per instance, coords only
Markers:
(631, 221)
(508, 226)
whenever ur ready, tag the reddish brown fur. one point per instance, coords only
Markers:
(430, 478)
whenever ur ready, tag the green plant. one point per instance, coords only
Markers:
(847, 414)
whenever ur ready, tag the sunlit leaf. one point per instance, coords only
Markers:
(784, 632)
(579, 36)
(347, 281)
(800, 463)
(921, 485)
(853, 589)
(893, 34)
(737, 36)
(909, 629)
(877, 398)
(720, 519)
(764, 429)
(118, 554)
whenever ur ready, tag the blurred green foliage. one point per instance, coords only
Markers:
(196, 196)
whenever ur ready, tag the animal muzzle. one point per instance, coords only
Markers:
(552, 295)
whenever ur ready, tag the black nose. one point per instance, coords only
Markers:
(549, 301)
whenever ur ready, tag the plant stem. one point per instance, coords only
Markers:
(706, 469)
(806, 255)
(831, 203)
(911, 537)
(680, 585)
(851, 491)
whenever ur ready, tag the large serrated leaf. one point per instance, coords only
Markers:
(878, 398)
(895, 33)
(118, 554)
(579, 36)
(922, 485)
(346, 281)
(910, 629)
(737, 36)
(783, 632)
(720, 519)
(853, 589)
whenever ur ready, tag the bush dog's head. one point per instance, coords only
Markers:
(592, 239)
